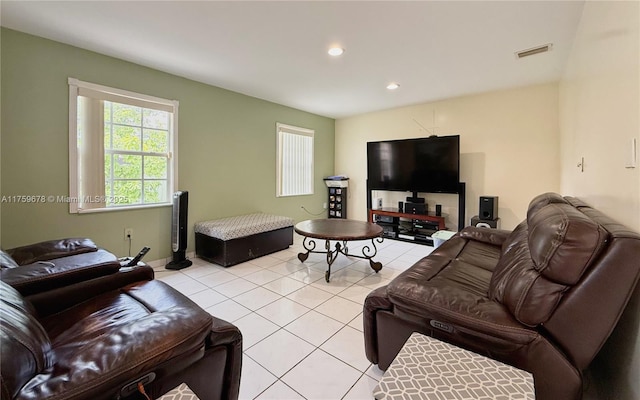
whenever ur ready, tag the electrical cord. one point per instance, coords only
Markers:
(129, 246)
(141, 390)
(309, 212)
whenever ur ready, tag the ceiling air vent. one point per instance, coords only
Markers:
(534, 50)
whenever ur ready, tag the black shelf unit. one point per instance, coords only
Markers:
(412, 235)
(407, 230)
(337, 202)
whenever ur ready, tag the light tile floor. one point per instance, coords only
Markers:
(302, 336)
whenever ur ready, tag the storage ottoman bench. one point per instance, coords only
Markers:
(429, 369)
(230, 241)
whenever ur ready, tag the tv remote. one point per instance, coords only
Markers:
(138, 257)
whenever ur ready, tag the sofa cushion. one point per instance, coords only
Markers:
(24, 344)
(454, 276)
(542, 258)
(451, 286)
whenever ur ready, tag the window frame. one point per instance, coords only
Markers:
(117, 95)
(296, 130)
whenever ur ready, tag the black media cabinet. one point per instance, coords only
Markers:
(395, 224)
(408, 227)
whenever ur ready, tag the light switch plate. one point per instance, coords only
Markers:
(632, 157)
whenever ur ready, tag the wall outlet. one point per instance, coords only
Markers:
(324, 206)
(128, 233)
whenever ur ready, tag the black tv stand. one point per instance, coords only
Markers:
(461, 192)
(415, 228)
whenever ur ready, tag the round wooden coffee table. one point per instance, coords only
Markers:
(341, 231)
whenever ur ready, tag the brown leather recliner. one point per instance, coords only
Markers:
(543, 298)
(96, 339)
(55, 263)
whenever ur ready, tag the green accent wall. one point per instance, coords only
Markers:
(226, 148)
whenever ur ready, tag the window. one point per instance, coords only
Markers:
(121, 148)
(295, 160)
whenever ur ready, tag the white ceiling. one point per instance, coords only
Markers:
(277, 50)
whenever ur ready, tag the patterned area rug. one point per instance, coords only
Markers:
(182, 392)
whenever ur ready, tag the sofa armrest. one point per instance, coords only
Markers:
(486, 235)
(52, 301)
(226, 334)
(375, 301)
(51, 249)
(42, 276)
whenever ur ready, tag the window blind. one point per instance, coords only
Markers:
(295, 160)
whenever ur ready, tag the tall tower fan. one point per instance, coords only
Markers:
(179, 231)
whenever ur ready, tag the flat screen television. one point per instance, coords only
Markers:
(428, 165)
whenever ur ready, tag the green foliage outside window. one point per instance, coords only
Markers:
(139, 178)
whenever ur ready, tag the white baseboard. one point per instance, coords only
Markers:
(160, 263)
(157, 263)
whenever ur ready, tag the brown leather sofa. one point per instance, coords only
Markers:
(96, 339)
(543, 298)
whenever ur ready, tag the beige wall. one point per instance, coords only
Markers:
(509, 145)
(599, 114)
(599, 111)
(227, 148)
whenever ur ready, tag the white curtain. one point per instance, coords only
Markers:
(90, 153)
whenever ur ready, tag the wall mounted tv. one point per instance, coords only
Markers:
(428, 165)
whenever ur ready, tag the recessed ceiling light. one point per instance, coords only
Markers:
(393, 86)
(336, 51)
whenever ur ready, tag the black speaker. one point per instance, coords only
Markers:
(438, 210)
(179, 231)
(415, 208)
(400, 206)
(488, 207)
